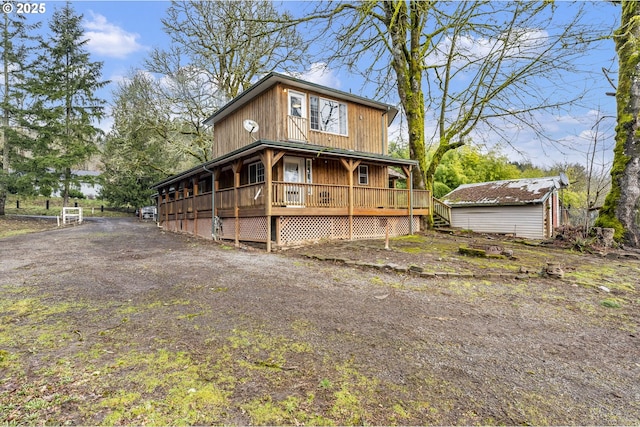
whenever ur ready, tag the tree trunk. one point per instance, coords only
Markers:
(5, 114)
(404, 24)
(407, 64)
(620, 210)
(65, 187)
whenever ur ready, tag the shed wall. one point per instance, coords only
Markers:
(523, 221)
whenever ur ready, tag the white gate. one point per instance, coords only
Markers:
(71, 215)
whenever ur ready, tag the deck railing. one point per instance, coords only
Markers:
(337, 196)
(442, 210)
(310, 195)
(298, 128)
(203, 202)
(249, 196)
(301, 195)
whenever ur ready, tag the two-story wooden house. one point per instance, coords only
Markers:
(295, 162)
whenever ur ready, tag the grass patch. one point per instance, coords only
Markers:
(165, 388)
(38, 206)
(611, 303)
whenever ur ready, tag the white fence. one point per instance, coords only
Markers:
(71, 216)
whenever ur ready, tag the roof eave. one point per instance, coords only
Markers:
(293, 147)
(274, 78)
(491, 205)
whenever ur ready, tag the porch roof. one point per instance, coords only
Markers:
(293, 147)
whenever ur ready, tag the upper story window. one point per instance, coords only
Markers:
(297, 107)
(256, 172)
(328, 115)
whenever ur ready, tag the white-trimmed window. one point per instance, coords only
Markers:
(328, 115)
(297, 107)
(309, 167)
(363, 175)
(256, 172)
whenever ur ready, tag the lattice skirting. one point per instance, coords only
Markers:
(252, 229)
(301, 229)
(293, 230)
(201, 229)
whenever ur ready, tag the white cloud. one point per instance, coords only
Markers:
(320, 74)
(106, 124)
(108, 39)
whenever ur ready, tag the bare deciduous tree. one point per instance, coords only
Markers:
(137, 151)
(217, 49)
(460, 65)
(233, 41)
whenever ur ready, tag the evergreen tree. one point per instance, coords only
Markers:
(63, 82)
(15, 44)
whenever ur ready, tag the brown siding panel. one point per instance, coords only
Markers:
(230, 133)
(364, 126)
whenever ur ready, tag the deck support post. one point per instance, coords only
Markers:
(350, 166)
(194, 207)
(408, 172)
(185, 204)
(237, 166)
(267, 160)
(166, 207)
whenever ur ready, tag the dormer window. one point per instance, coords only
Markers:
(327, 115)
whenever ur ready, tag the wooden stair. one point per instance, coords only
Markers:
(441, 214)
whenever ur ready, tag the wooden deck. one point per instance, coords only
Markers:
(298, 200)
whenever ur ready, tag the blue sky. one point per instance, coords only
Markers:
(121, 33)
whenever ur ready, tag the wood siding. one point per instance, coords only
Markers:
(324, 171)
(523, 221)
(230, 133)
(366, 126)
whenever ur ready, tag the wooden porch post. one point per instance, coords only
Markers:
(214, 190)
(185, 205)
(237, 167)
(166, 206)
(350, 166)
(195, 208)
(408, 171)
(275, 158)
(268, 178)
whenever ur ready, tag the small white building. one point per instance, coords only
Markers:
(521, 207)
(89, 183)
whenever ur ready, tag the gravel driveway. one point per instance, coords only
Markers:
(312, 342)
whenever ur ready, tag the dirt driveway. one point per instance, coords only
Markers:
(118, 322)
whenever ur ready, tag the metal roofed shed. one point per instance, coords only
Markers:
(521, 207)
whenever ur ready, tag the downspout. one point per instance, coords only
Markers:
(213, 202)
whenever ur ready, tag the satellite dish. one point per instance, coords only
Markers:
(250, 126)
(564, 180)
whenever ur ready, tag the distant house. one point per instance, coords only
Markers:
(295, 162)
(522, 207)
(89, 186)
(89, 183)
